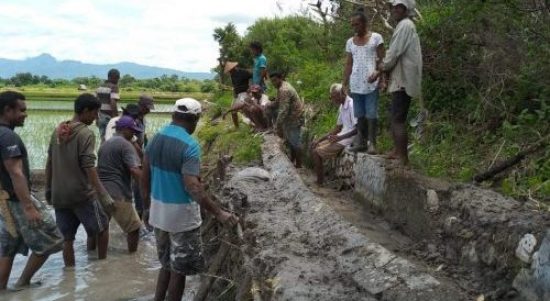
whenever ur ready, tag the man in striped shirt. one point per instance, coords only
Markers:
(172, 190)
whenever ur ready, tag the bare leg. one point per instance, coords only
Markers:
(163, 281)
(34, 263)
(5, 270)
(176, 286)
(318, 166)
(68, 253)
(235, 119)
(91, 243)
(102, 243)
(133, 239)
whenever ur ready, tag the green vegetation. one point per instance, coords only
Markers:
(486, 81)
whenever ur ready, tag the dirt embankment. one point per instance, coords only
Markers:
(295, 247)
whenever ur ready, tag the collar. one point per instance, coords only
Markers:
(7, 125)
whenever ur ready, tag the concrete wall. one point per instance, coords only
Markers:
(467, 226)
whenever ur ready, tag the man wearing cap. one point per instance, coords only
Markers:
(118, 162)
(131, 110)
(240, 79)
(108, 95)
(146, 103)
(172, 190)
(253, 107)
(403, 62)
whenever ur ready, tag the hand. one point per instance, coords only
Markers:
(107, 203)
(333, 138)
(227, 218)
(33, 216)
(373, 77)
(382, 85)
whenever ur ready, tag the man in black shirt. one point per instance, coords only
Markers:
(25, 222)
(240, 79)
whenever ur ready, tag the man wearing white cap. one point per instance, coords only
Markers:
(403, 62)
(240, 79)
(172, 190)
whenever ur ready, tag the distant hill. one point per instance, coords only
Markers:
(46, 64)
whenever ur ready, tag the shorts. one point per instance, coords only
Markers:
(43, 240)
(180, 252)
(89, 214)
(400, 106)
(102, 121)
(327, 150)
(126, 216)
(241, 97)
(365, 105)
(292, 134)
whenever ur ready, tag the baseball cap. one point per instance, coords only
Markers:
(146, 101)
(127, 122)
(409, 4)
(131, 109)
(188, 106)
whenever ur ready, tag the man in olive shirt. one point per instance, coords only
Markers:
(25, 222)
(72, 183)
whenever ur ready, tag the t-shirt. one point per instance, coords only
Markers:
(72, 151)
(347, 120)
(240, 79)
(260, 62)
(364, 64)
(116, 157)
(105, 93)
(173, 153)
(291, 107)
(11, 146)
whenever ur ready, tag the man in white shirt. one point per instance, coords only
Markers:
(403, 62)
(332, 144)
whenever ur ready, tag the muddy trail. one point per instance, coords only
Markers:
(300, 245)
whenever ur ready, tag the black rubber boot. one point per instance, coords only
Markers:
(362, 132)
(372, 132)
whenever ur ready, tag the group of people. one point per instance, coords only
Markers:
(369, 69)
(157, 182)
(161, 177)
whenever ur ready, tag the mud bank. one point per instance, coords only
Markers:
(496, 241)
(295, 247)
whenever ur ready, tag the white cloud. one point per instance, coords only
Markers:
(168, 33)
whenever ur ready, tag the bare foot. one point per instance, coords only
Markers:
(21, 286)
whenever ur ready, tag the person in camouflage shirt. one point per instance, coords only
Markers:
(290, 118)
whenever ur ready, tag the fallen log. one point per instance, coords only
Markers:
(489, 174)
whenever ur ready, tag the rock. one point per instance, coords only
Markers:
(451, 224)
(252, 174)
(432, 200)
(526, 246)
(534, 284)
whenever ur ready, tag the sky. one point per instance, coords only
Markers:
(163, 33)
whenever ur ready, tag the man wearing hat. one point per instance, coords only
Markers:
(172, 190)
(403, 62)
(118, 162)
(240, 79)
(146, 103)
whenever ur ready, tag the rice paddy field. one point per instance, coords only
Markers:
(49, 107)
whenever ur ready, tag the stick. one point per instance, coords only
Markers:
(204, 288)
(512, 161)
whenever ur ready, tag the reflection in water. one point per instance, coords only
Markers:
(121, 276)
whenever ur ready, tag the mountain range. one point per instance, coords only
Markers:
(46, 64)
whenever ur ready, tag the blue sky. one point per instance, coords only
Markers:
(165, 33)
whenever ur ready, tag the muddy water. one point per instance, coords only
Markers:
(121, 276)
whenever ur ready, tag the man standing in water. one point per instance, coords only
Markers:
(172, 190)
(364, 51)
(404, 63)
(109, 96)
(72, 182)
(25, 222)
(290, 118)
(118, 162)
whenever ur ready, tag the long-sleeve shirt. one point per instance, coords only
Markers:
(291, 106)
(404, 59)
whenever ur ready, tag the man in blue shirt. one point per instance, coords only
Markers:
(172, 190)
(259, 69)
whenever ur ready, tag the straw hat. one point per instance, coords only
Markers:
(229, 66)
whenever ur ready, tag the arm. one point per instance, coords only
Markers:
(136, 174)
(197, 192)
(398, 45)
(380, 54)
(333, 132)
(345, 136)
(264, 74)
(93, 178)
(14, 167)
(236, 108)
(347, 70)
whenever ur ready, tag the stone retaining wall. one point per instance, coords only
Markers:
(463, 224)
